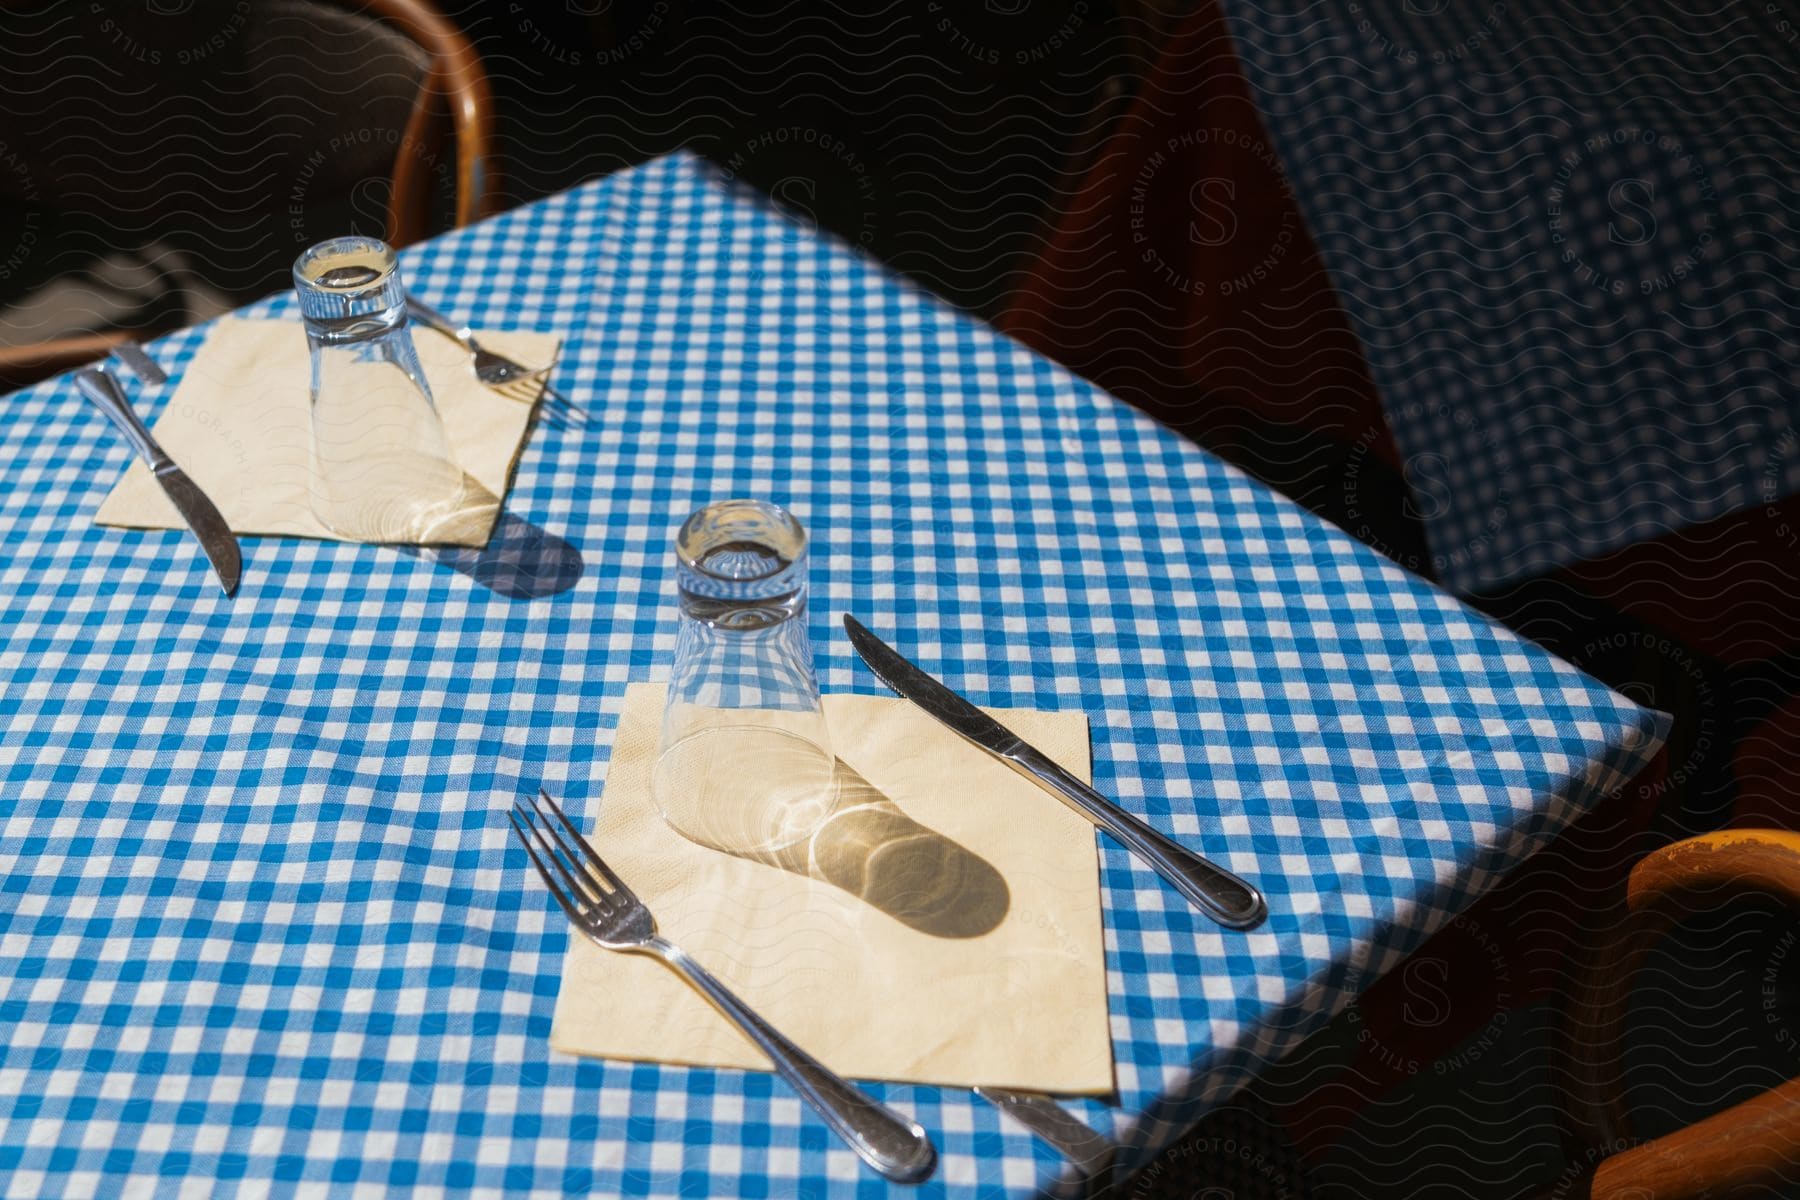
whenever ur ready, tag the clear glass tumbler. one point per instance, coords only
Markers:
(383, 468)
(745, 764)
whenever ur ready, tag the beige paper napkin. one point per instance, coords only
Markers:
(976, 959)
(240, 425)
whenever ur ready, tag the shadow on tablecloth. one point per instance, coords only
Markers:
(521, 561)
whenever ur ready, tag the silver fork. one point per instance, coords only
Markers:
(495, 370)
(599, 904)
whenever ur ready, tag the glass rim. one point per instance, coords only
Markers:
(351, 243)
(778, 516)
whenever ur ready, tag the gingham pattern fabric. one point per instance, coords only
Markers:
(1564, 234)
(263, 927)
(768, 668)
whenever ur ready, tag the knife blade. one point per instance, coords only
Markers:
(134, 359)
(1212, 889)
(1090, 1153)
(202, 517)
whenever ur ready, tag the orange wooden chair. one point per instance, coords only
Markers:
(452, 85)
(1752, 1147)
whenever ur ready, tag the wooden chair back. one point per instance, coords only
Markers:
(1753, 1145)
(454, 86)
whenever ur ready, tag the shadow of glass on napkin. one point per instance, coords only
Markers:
(413, 502)
(914, 874)
(382, 470)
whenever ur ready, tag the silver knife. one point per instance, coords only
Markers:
(1212, 889)
(1090, 1153)
(133, 358)
(215, 535)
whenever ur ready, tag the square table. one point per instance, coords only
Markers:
(263, 926)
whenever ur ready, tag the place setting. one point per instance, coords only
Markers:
(342, 425)
(893, 880)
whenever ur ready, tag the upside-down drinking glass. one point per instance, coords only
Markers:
(383, 469)
(745, 765)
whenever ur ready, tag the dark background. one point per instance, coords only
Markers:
(962, 155)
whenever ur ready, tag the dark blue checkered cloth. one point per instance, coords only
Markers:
(1569, 239)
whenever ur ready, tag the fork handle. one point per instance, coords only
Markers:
(431, 318)
(895, 1147)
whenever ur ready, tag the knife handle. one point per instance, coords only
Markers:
(1215, 891)
(109, 397)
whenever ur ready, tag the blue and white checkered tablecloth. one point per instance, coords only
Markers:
(262, 925)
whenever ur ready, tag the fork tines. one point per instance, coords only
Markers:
(567, 863)
(553, 403)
